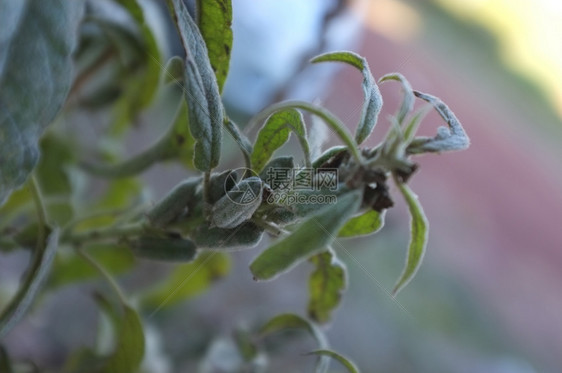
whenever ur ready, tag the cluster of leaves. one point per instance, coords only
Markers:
(120, 65)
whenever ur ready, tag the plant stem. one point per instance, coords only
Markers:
(206, 193)
(106, 275)
(41, 213)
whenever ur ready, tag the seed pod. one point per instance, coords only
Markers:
(280, 215)
(171, 206)
(247, 234)
(171, 248)
(239, 204)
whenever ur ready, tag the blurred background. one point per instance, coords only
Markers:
(488, 297)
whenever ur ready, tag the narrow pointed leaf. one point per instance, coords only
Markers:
(413, 124)
(242, 141)
(325, 286)
(373, 99)
(37, 39)
(419, 228)
(275, 132)
(449, 138)
(288, 321)
(367, 223)
(215, 20)
(350, 366)
(32, 284)
(202, 92)
(408, 100)
(314, 235)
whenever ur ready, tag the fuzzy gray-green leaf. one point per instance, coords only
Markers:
(34, 279)
(314, 235)
(275, 132)
(408, 100)
(449, 138)
(37, 39)
(202, 92)
(239, 204)
(373, 99)
(419, 228)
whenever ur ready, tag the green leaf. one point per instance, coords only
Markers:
(202, 92)
(447, 139)
(215, 20)
(32, 284)
(171, 249)
(367, 223)
(419, 228)
(275, 132)
(408, 101)
(314, 235)
(326, 285)
(288, 321)
(350, 366)
(373, 99)
(331, 121)
(37, 39)
(239, 204)
(129, 353)
(188, 280)
(130, 345)
(69, 268)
